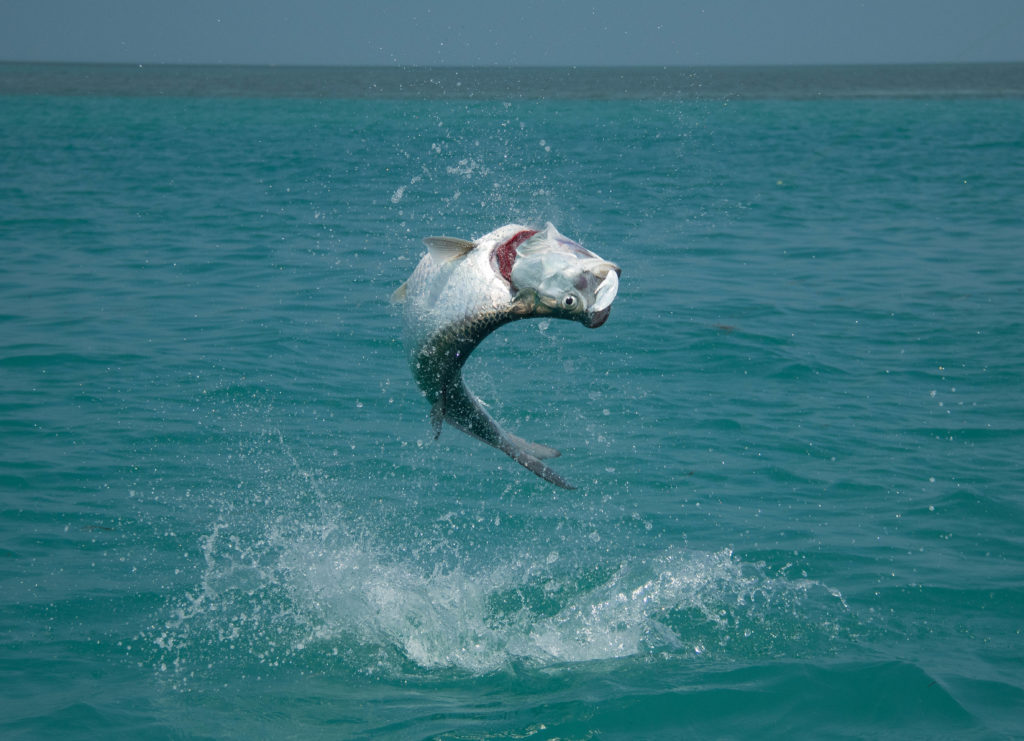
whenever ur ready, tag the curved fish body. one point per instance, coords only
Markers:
(461, 291)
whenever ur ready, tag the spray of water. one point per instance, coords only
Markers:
(317, 594)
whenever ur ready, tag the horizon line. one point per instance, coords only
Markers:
(324, 65)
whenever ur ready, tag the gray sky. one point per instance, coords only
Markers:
(519, 32)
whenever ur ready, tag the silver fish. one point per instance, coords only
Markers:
(462, 291)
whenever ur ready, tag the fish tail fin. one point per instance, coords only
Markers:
(461, 409)
(535, 449)
(529, 455)
(537, 466)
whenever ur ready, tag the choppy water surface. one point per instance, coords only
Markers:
(797, 440)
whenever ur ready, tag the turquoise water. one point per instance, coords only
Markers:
(797, 440)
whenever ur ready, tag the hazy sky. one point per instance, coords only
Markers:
(520, 32)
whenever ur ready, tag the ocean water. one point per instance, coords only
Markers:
(798, 439)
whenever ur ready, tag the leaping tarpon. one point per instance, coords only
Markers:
(462, 290)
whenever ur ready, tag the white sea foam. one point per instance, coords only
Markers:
(321, 592)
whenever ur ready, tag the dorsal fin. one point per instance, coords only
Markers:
(443, 249)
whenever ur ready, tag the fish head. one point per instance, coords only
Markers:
(554, 276)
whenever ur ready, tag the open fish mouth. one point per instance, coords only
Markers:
(608, 290)
(603, 297)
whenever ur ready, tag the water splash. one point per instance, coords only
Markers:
(316, 594)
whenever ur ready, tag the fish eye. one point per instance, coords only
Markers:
(569, 301)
